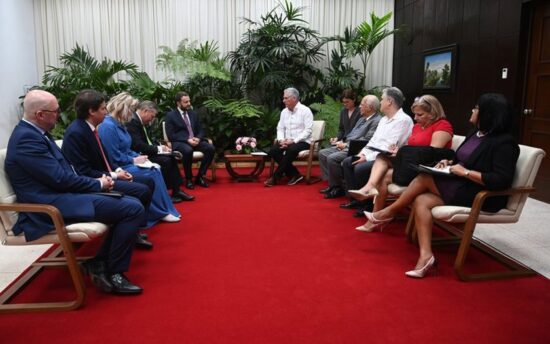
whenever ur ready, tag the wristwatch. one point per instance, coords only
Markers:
(467, 173)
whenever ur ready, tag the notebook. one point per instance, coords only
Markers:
(355, 146)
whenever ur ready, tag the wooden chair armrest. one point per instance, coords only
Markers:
(313, 145)
(481, 196)
(50, 210)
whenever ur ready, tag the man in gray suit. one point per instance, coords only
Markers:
(330, 159)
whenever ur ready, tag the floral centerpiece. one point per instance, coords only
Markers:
(245, 145)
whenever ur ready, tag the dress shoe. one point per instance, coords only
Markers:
(295, 179)
(365, 206)
(101, 282)
(271, 181)
(143, 244)
(96, 271)
(325, 190)
(362, 195)
(170, 218)
(121, 285)
(201, 182)
(421, 272)
(369, 227)
(353, 204)
(370, 216)
(335, 193)
(183, 196)
(190, 185)
(176, 199)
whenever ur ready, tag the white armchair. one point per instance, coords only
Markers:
(63, 255)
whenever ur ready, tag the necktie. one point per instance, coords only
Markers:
(146, 136)
(105, 161)
(188, 124)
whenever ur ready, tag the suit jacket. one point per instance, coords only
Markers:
(364, 128)
(81, 148)
(40, 173)
(347, 123)
(496, 159)
(136, 129)
(176, 130)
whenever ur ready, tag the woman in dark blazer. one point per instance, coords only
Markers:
(485, 160)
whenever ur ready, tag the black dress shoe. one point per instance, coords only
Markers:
(189, 185)
(183, 196)
(364, 207)
(325, 190)
(101, 282)
(176, 199)
(335, 193)
(121, 285)
(142, 243)
(201, 182)
(353, 204)
(96, 271)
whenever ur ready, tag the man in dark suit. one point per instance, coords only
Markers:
(141, 143)
(82, 148)
(39, 173)
(185, 132)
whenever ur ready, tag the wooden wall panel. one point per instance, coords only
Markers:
(487, 34)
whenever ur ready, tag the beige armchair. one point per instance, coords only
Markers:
(462, 221)
(63, 255)
(197, 156)
(311, 154)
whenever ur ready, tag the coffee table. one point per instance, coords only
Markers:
(253, 175)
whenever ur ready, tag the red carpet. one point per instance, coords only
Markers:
(249, 264)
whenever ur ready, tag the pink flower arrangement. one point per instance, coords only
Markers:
(245, 144)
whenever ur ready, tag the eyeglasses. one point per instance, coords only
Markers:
(57, 111)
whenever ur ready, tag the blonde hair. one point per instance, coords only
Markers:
(122, 106)
(431, 105)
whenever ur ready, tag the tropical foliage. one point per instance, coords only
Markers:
(78, 71)
(328, 111)
(275, 53)
(188, 60)
(366, 37)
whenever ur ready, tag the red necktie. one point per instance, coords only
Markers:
(102, 152)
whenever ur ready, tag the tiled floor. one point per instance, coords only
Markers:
(528, 241)
(15, 259)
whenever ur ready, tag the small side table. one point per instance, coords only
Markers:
(253, 175)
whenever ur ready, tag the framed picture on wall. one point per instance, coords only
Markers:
(440, 68)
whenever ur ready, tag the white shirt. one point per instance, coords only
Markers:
(296, 125)
(390, 131)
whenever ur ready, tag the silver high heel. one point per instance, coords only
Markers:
(361, 195)
(420, 273)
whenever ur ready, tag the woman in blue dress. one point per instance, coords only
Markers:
(117, 141)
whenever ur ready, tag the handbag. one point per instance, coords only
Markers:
(405, 166)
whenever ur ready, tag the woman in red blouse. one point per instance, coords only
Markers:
(431, 129)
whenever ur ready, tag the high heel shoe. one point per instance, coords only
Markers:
(376, 221)
(370, 227)
(420, 273)
(361, 195)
